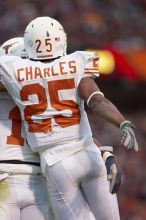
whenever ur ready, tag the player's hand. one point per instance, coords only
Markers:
(128, 138)
(114, 173)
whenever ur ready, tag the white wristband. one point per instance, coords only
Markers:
(106, 148)
(97, 92)
(124, 122)
(106, 155)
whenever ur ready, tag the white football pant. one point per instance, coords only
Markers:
(78, 185)
(24, 197)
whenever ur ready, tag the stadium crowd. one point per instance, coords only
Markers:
(90, 23)
(95, 24)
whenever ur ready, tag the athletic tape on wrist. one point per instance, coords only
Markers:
(106, 148)
(97, 92)
(106, 155)
(123, 123)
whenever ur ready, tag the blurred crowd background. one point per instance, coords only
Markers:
(117, 29)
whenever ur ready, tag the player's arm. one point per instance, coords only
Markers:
(98, 103)
(2, 88)
(91, 94)
(114, 170)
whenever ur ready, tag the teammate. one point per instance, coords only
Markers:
(23, 192)
(51, 95)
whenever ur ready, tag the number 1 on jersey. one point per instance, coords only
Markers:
(15, 137)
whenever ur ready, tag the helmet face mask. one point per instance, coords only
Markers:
(45, 39)
(14, 47)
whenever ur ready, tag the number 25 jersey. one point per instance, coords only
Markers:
(46, 94)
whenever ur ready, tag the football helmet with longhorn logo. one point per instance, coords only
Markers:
(14, 47)
(45, 39)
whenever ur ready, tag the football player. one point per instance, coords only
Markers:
(15, 46)
(23, 192)
(50, 95)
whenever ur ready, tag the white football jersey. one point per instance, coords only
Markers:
(13, 145)
(47, 96)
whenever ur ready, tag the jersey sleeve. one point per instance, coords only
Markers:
(6, 70)
(91, 64)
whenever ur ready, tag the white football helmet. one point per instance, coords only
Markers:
(45, 39)
(14, 47)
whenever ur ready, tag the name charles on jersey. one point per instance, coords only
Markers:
(34, 73)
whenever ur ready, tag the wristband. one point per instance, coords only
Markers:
(123, 124)
(106, 148)
(106, 155)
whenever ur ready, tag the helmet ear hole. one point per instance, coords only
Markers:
(47, 37)
(14, 47)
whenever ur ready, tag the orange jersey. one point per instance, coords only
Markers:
(46, 94)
